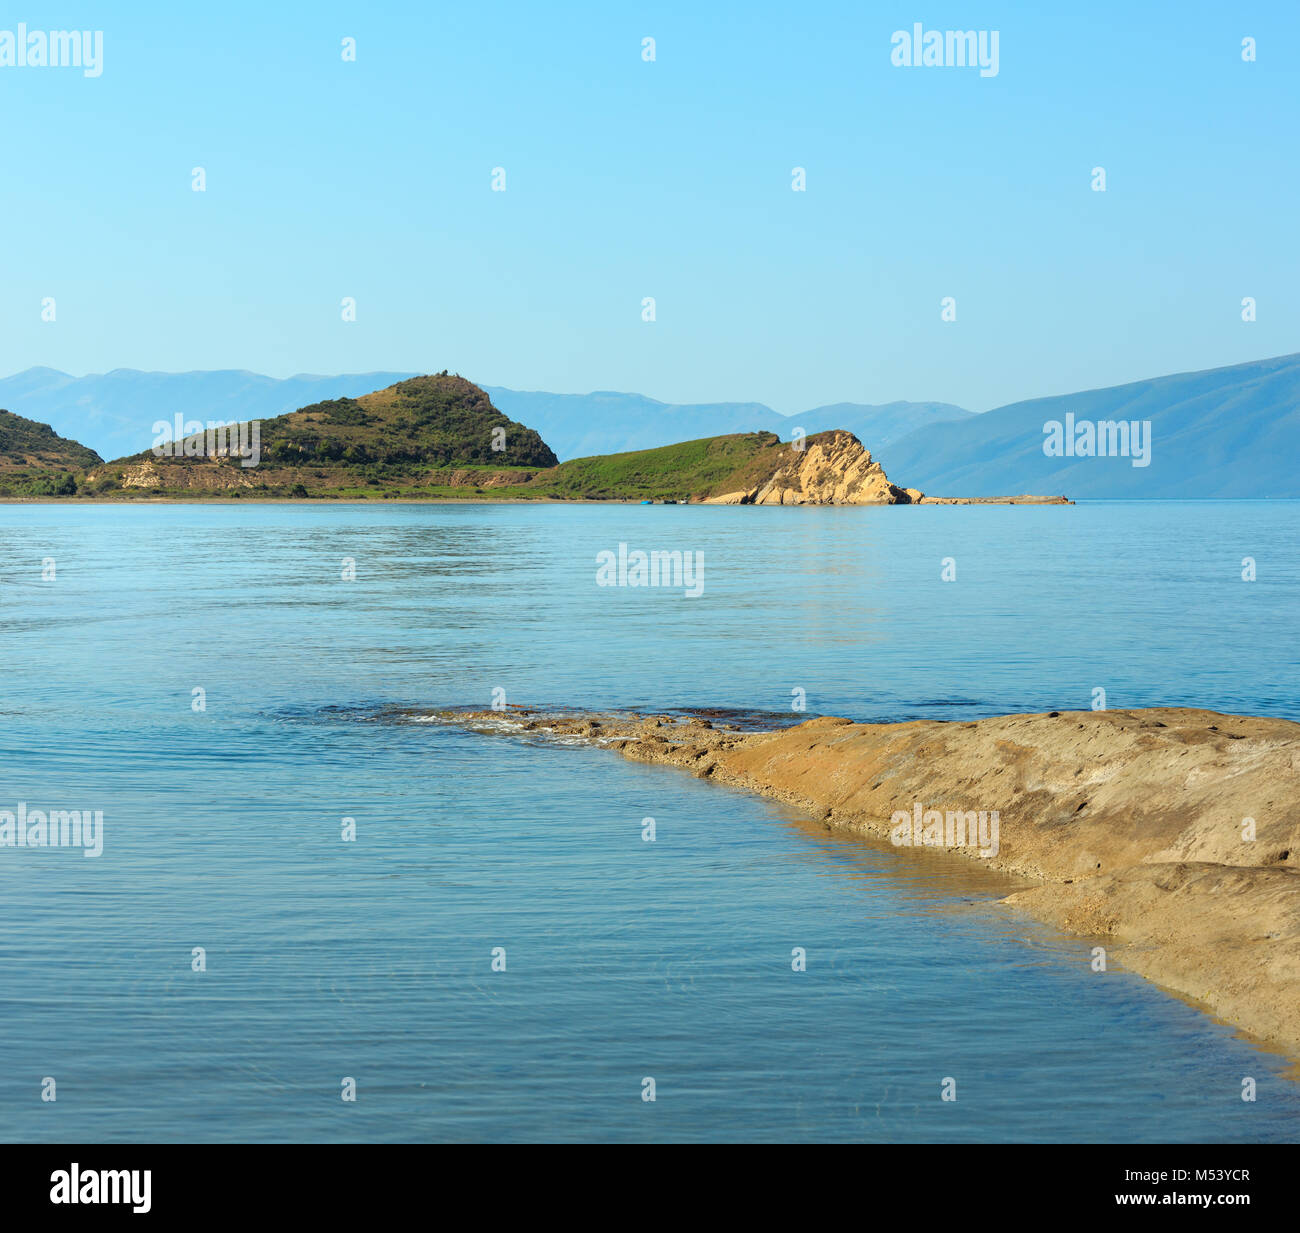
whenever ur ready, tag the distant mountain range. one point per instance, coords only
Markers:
(881, 424)
(582, 425)
(1225, 432)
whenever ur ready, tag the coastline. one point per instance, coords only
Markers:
(1128, 825)
(227, 501)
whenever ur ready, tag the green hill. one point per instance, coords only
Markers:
(690, 469)
(424, 422)
(36, 461)
(423, 433)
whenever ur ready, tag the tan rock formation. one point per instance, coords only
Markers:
(464, 477)
(832, 468)
(199, 475)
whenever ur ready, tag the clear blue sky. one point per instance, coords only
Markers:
(669, 179)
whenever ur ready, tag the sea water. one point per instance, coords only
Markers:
(306, 893)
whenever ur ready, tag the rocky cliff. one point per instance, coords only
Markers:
(831, 468)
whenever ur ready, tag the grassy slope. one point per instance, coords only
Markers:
(25, 443)
(669, 473)
(36, 461)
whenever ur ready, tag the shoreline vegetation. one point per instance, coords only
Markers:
(439, 438)
(1170, 836)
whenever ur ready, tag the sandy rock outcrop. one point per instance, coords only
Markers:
(832, 468)
(463, 477)
(199, 475)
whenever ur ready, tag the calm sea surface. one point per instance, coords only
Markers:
(625, 960)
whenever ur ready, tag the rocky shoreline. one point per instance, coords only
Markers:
(1170, 835)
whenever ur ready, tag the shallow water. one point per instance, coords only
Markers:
(624, 959)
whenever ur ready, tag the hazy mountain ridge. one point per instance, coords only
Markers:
(1222, 432)
(609, 422)
(879, 424)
